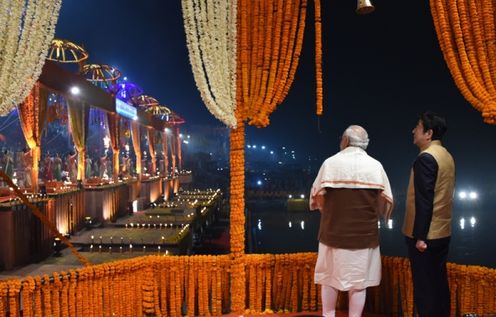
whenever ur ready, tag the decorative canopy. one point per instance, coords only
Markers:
(64, 51)
(145, 101)
(164, 113)
(101, 74)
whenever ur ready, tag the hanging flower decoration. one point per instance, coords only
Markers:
(210, 27)
(101, 75)
(270, 37)
(466, 33)
(26, 29)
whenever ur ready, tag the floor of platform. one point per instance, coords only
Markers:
(307, 314)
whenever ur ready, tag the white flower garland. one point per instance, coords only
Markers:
(26, 30)
(210, 27)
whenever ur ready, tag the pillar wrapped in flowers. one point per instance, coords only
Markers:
(244, 56)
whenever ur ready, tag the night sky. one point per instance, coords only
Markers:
(380, 71)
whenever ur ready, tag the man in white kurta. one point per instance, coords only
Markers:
(351, 191)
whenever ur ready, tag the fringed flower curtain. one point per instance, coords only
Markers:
(32, 116)
(26, 29)
(78, 123)
(270, 37)
(151, 148)
(467, 37)
(114, 131)
(210, 27)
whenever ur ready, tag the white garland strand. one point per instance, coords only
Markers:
(210, 27)
(26, 30)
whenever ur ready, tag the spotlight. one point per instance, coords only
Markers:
(75, 90)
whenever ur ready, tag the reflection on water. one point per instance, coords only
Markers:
(273, 229)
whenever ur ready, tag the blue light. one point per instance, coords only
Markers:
(259, 183)
(125, 110)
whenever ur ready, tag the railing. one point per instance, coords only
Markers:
(200, 286)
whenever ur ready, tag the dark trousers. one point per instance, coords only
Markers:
(430, 279)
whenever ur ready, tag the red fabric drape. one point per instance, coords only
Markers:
(32, 116)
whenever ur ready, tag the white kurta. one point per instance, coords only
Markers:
(348, 269)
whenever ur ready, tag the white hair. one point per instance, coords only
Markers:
(358, 136)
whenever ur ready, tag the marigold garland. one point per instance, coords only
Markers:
(64, 295)
(14, 290)
(38, 307)
(472, 287)
(28, 287)
(55, 290)
(467, 41)
(318, 58)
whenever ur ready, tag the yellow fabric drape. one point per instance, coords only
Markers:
(173, 148)
(136, 138)
(32, 116)
(114, 129)
(78, 124)
(179, 149)
(151, 148)
(467, 37)
(165, 149)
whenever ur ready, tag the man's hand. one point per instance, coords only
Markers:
(421, 245)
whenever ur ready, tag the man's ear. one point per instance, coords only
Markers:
(430, 133)
(346, 141)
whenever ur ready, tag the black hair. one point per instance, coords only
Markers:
(436, 123)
